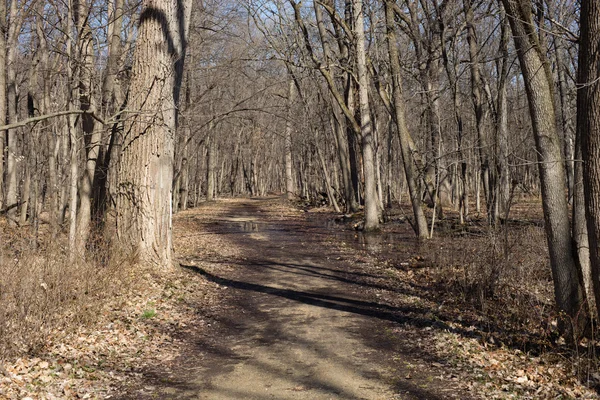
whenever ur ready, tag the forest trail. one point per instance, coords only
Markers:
(297, 320)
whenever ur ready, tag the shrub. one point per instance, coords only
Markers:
(41, 291)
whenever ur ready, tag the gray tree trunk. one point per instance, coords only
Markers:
(145, 176)
(588, 128)
(539, 86)
(366, 125)
(71, 133)
(580, 229)
(3, 32)
(184, 184)
(565, 121)
(410, 171)
(44, 108)
(485, 156)
(91, 133)
(14, 27)
(210, 165)
(502, 169)
(290, 190)
(111, 102)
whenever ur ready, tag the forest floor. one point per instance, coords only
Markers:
(274, 301)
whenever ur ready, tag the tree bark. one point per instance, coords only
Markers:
(112, 101)
(11, 88)
(565, 121)
(44, 109)
(210, 165)
(580, 229)
(184, 184)
(74, 251)
(502, 169)
(91, 134)
(3, 33)
(289, 176)
(410, 172)
(366, 128)
(485, 158)
(539, 87)
(25, 196)
(588, 128)
(144, 209)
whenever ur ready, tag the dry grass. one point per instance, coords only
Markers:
(499, 276)
(40, 290)
(510, 267)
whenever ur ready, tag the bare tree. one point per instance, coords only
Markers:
(146, 166)
(14, 26)
(3, 32)
(410, 168)
(588, 128)
(91, 132)
(366, 125)
(539, 85)
(289, 127)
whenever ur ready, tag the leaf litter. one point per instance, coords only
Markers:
(111, 356)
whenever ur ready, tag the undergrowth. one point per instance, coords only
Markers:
(503, 276)
(41, 291)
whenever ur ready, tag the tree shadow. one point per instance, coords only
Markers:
(368, 309)
(468, 326)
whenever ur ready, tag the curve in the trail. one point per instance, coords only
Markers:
(298, 325)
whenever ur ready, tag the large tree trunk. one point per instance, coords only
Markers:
(580, 229)
(91, 134)
(502, 169)
(366, 125)
(3, 32)
(112, 101)
(74, 250)
(420, 225)
(538, 84)
(144, 209)
(72, 135)
(344, 161)
(289, 176)
(588, 128)
(11, 88)
(485, 157)
(43, 71)
(210, 165)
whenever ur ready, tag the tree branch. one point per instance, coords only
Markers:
(34, 120)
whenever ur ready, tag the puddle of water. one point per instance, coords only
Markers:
(250, 226)
(377, 242)
(374, 242)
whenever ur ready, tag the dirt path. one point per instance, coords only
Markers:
(298, 322)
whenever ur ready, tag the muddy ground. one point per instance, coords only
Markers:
(299, 318)
(309, 308)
